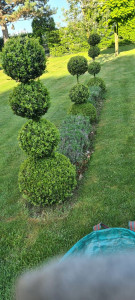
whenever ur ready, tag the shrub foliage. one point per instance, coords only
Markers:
(94, 68)
(23, 59)
(77, 65)
(79, 93)
(39, 139)
(74, 138)
(94, 51)
(97, 82)
(30, 100)
(47, 181)
(94, 39)
(84, 109)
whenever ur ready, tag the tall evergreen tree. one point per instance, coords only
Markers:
(13, 10)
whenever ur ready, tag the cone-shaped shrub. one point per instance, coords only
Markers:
(45, 177)
(77, 65)
(79, 93)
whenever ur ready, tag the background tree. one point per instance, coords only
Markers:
(120, 12)
(14, 10)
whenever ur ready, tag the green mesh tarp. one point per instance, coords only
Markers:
(106, 241)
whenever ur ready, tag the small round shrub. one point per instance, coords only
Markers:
(30, 100)
(77, 65)
(94, 68)
(94, 51)
(23, 58)
(84, 109)
(39, 139)
(94, 39)
(95, 94)
(47, 181)
(96, 81)
(79, 93)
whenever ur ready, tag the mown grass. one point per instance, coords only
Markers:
(107, 190)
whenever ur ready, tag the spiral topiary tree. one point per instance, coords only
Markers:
(94, 67)
(46, 176)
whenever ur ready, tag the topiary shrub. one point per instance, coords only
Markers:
(39, 139)
(94, 68)
(47, 181)
(95, 94)
(94, 51)
(84, 109)
(77, 65)
(30, 100)
(79, 93)
(23, 59)
(74, 138)
(94, 39)
(97, 82)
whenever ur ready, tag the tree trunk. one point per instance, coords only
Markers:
(5, 32)
(116, 40)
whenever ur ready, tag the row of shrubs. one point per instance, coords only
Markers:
(48, 175)
(76, 130)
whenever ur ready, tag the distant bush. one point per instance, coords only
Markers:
(74, 138)
(94, 51)
(39, 139)
(94, 68)
(23, 59)
(94, 39)
(30, 100)
(48, 180)
(84, 109)
(97, 82)
(1, 43)
(79, 93)
(77, 65)
(95, 94)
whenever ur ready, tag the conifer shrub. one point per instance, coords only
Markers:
(77, 65)
(30, 100)
(97, 82)
(94, 39)
(79, 93)
(94, 68)
(23, 59)
(39, 139)
(47, 180)
(84, 109)
(93, 52)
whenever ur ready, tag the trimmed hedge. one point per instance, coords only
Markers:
(77, 65)
(97, 81)
(30, 100)
(94, 39)
(38, 139)
(47, 181)
(23, 59)
(94, 51)
(79, 93)
(94, 68)
(84, 109)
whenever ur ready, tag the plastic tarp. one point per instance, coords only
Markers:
(103, 242)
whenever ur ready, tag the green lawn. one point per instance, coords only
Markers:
(107, 191)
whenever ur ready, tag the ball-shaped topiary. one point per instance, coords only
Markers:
(96, 81)
(84, 109)
(94, 39)
(30, 100)
(94, 68)
(94, 51)
(39, 139)
(47, 181)
(77, 65)
(23, 59)
(79, 93)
